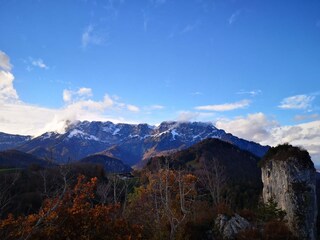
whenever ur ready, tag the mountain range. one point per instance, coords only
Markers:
(9, 141)
(134, 144)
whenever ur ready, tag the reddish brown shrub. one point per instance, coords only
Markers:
(223, 208)
(276, 230)
(248, 214)
(249, 234)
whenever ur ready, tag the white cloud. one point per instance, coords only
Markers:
(306, 117)
(7, 91)
(297, 102)
(108, 100)
(89, 36)
(39, 63)
(85, 92)
(156, 107)
(234, 16)
(133, 108)
(252, 93)
(225, 107)
(306, 135)
(67, 95)
(254, 127)
(23, 118)
(82, 93)
(152, 109)
(190, 27)
(196, 93)
(257, 127)
(91, 105)
(79, 110)
(4, 62)
(186, 116)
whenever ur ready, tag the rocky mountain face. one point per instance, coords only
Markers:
(289, 176)
(10, 141)
(128, 142)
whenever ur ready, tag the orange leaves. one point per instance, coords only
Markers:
(72, 216)
(189, 178)
(164, 204)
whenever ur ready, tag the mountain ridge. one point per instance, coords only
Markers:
(131, 143)
(18, 159)
(8, 141)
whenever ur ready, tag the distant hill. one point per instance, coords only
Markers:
(17, 159)
(239, 167)
(111, 165)
(239, 164)
(10, 141)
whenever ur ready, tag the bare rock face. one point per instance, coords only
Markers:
(289, 176)
(229, 227)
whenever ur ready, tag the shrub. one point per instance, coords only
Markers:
(275, 230)
(249, 234)
(269, 211)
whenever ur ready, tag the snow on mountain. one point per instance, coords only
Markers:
(80, 134)
(115, 132)
(174, 134)
(9, 141)
(129, 142)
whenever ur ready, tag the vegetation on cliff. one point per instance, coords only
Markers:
(285, 152)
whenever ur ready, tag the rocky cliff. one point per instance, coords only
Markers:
(288, 176)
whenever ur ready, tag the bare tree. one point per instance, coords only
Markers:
(44, 175)
(103, 191)
(115, 183)
(60, 192)
(173, 193)
(212, 176)
(6, 185)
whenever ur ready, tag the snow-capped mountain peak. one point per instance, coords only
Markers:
(129, 142)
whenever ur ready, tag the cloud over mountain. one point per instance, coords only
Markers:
(20, 117)
(259, 128)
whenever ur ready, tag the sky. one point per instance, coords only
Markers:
(250, 67)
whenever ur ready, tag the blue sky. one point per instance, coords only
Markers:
(251, 67)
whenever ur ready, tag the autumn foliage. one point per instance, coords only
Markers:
(164, 205)
(72, 214)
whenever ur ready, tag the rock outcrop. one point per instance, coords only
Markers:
(228, 227)
(288, 176)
